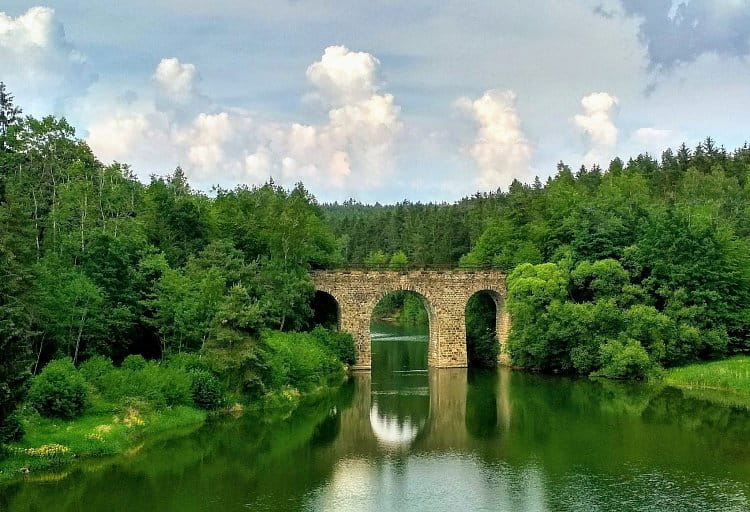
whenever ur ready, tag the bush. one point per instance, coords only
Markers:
(188, 361)
(95, 369)
(300, 360)
(11, 429)
(340, 343)
(175, 385)
(624, 359)
(158, 385)
(206, 390)
(59, 390)
(153, 383)
(133, 362)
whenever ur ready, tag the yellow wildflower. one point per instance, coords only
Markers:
(47, 450)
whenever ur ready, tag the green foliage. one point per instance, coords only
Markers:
(502, 246)
(300, 360)
(376, 259)
(398, 261)
(598, 280)
(241, 361)
(341, 344)
(624, 359)
(189, 361)
(402, 307)
(731, 375)
(95, 369)
(59, 390)
(149, 383)
(206, 390)
(134, 363)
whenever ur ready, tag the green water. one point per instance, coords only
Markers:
(403, 438)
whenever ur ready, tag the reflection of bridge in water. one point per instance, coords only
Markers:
(452, 415)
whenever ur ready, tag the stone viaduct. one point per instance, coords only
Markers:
(444, 294)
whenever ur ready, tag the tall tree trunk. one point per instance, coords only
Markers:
(78, 340)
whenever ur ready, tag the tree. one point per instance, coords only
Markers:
(376, 259)
(399, 261)
(10, 113)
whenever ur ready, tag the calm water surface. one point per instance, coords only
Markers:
(403, 438)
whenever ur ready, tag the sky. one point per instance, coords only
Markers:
(381, 100)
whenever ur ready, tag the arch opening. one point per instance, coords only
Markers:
(482, 315)
(326, 311)
(400, 400)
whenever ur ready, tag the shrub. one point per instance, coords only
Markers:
(11, 429)
(95, 369)
(340, 343)
(206, 390)
(153, 383)
(300, 360)
(59, 390)
(158, 385)
(188, 361)
(133, 362)
(624, 359)
(175, 385)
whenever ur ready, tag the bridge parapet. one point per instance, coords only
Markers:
(445, 294)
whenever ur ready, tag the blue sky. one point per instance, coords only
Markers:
(381, 100)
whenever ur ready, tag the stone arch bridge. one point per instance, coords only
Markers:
(444, 294)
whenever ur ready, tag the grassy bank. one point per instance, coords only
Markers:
(726, 381)
(51, 443)
(97, 408)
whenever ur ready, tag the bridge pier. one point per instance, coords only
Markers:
(444, 294)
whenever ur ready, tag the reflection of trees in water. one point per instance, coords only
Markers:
(481, 404)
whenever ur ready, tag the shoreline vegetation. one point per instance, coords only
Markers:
(98, 409)
(726, 381)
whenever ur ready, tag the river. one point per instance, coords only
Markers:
(405, 438)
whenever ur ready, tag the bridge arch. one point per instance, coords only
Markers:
(326, 310)
(427, 302)
(501, 320)
(446, 294)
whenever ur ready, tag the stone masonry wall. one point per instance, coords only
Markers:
(444, 293)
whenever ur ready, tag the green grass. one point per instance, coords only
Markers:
(726, 381)
(53, 443)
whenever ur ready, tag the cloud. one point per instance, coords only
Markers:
(682, 30)
(343, 76)
(37, 61)
(500, 148)
(597, 124)
(654, 140)
(224, 145)
(177, 80)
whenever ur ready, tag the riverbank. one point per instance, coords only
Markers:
(53, 443)
(726, 381)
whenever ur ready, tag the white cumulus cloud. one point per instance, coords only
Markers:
(343, 76)
(176, 79)
(37, 61)
(500, 149)
(352, 148)
(596, 122)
